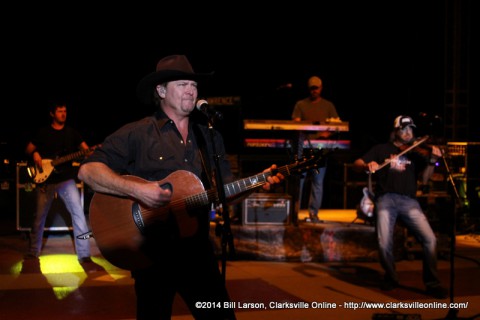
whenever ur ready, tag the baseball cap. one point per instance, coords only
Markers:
(402, 122)
(314, 82)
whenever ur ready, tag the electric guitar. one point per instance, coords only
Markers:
(119, 224)
(40, 175)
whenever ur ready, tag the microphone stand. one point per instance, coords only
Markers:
(225, 232)
(452, 312)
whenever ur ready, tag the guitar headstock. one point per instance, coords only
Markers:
(313, 160)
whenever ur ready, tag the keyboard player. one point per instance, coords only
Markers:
(313, 108)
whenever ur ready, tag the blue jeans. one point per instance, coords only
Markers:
(392, 206)
(316, 192)
(68, 192)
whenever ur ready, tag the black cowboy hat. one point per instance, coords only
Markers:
(170, 68)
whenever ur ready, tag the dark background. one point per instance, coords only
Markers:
(377, 60)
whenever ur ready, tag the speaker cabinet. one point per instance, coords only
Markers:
(267, 208)
(58, 218)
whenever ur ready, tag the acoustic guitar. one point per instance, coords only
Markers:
(119, 223)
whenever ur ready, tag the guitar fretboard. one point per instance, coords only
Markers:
(70, 157)
(249, 183)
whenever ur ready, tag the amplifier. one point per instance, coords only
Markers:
(267, 208)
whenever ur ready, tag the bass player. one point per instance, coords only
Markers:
(50, 142)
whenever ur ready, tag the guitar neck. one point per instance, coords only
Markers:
(256, 181)
(240, 186)
(70, 157)
(231, 190)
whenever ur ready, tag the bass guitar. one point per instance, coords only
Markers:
(119, 223)
(40, 175)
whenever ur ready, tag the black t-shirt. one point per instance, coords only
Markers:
(53, 144)
(399, 176)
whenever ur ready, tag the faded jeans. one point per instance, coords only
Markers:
(392, 206)
(70, 195)
(316, 192)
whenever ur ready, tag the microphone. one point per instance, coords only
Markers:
(203, 106)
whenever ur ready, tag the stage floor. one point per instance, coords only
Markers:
(56, 286)
(338, 237)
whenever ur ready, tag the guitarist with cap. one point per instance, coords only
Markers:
(52, 143)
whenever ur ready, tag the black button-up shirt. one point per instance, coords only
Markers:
(152, 148)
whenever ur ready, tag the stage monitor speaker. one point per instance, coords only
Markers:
(58, 218)
(267, 208)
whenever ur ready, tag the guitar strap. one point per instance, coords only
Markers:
(202, 144)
